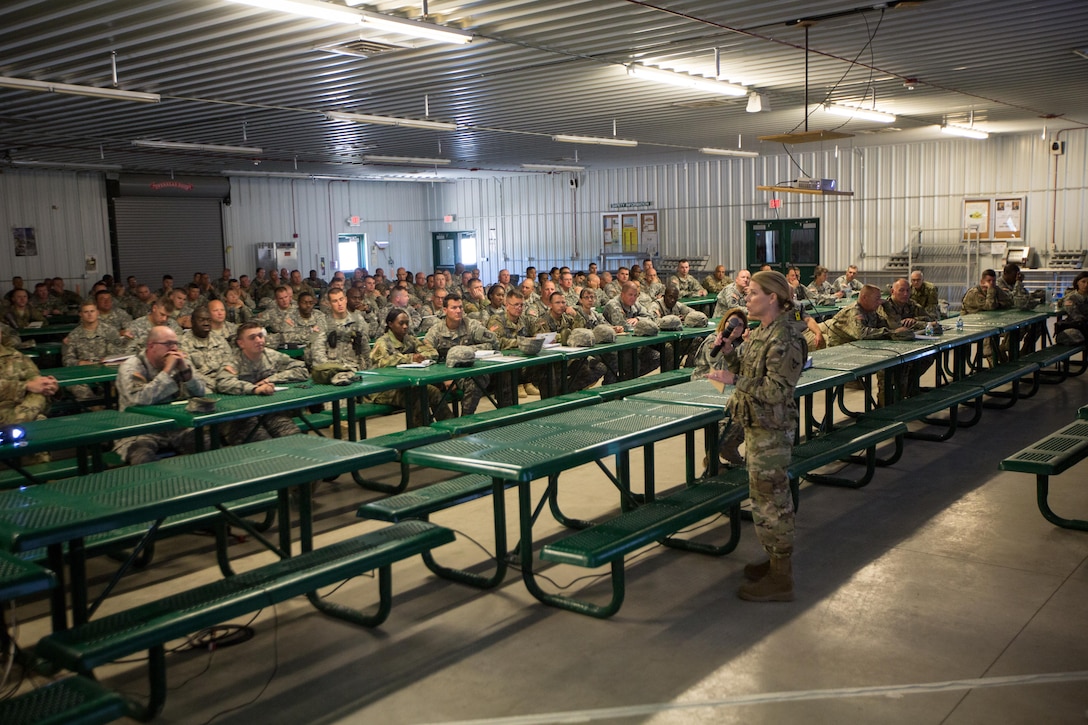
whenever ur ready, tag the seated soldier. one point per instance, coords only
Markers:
(397, 347)
(89, 344)
(346, 340)
(19, 314)
(848, 283)
(508, 326)
(24, 391)
(734, 295)
(140, 329)
(208, 352)
(160, 373)
(717, 281)
(454, 330)
(625, 310)
(686, 283)
(581, 372)
(255, 370)
(902, 312)
(925, 294)
(220, 326)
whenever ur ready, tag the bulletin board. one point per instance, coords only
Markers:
(1009, 217)
(976, 213)
(632, 231)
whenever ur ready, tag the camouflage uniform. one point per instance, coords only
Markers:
(239, 315)
(926, 298)
(581, 372)
(414, 318)
(44, 307)
(474, 335)
(17, 405)
(429, 319)
(853, 323)
(346, 342)
(906, 375)
(240, 377)
(283, 326)
(612, 289)
(713, 286)
(22, 319)
(507, 331)
(116, 318)
(141, 328)
(850, 287)
(389, 352)
(688, 285)
(617, 314)
(652, 290)
(138, 383)
(207, 355)
(83, 345)
(731, 296)
(979, 300)
(767, 368)
(570, 297)
(659, 309)
(822, 294)
(136, 308)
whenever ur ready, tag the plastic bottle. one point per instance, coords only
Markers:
(959, 322)
(1058, 302)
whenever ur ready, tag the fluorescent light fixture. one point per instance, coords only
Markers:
(599, 140)
(309, 9)
(964, 131)
(94, 92)
(67, 165)
(683, 80)
(215, 148)
(729, 152)
(418, 161)
(414, 28)
(330, 177)
(755, 103)
(551, 167)
(862, 114)
(392, 121)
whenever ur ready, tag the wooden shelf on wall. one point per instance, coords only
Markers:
(794, 190)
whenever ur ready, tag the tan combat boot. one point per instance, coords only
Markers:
(755, 572)
(777, 586)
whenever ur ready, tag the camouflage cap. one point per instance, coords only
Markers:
(344, 378)
(604, 333)
(696, 319)
(903, 335)
(580, 337)
(460, 356)
(670, 322)
(530, 345)
(645, 327)
(1070, 336)
(323, 373)
(200, 405)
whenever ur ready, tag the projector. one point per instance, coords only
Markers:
(816, 184)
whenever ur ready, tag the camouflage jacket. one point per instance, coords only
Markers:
(854, 323)
(469, 332)
(507, 330)
(617, 314)
(713, 286)
(389, 352)
(16, 404)
(822, 294)
(83, 345)
(345, 341)
(688, 285)
(590, 319)
(660, 310)
(138, 383)
(241, 375)
(207, 355)
(141, 328)
(895, 313)
(414, 318)
(561, 327)
(116, 318)
(731, 296)
(612, 289)
(767, 367)
(978, 299)
(926, 298)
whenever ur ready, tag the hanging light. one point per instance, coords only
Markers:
(862, 114)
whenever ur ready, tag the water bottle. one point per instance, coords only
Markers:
(959, 323)
(1058, 302)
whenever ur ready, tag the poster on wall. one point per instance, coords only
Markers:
(630, 232)
(650, 238)
(611, 225)
(26, 244)
(976, 219)
(1009, 218)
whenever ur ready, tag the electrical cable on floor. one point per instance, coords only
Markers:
(11, 646)
(271, 676)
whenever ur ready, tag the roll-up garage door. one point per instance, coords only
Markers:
(157, 236)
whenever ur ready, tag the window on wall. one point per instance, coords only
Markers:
(351, 252)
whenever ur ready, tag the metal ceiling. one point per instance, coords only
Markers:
(238, 75)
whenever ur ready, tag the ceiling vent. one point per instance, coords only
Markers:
(359, 48)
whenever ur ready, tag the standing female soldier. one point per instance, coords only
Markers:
(767, 371)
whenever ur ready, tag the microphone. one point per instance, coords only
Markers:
(734, 323)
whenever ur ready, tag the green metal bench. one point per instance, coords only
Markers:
(52, 470)
(839, 444)
(623, 388)
(150, 626)
(924, 405)
(608, 542)
(1006, 374)
(1048, 457)
(1083, 412)
(1054, 355)
(316, 422)
(400, 442)
(70, 701)
(20, 578)
(422, 502)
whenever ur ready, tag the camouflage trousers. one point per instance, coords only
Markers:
(262, 428)
(439, 409)
(768, 455)
(473, 389)
(611, 367)
(32, 407)
(146, 448)
(584, 372)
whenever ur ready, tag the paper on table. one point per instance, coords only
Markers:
(424, 364)
(485, 353)
(278, 388)
(35, 325)
(115, 360)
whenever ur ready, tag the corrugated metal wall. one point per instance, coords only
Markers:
(312, 213)
(540, 219)
(68, 213)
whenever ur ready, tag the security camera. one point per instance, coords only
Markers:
(1057, 147)
(381, 245)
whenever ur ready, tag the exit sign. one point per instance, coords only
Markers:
(776, 203)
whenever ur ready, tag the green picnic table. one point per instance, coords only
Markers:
(46, 332)
(547, 447)
(85, 432)
(61, 515)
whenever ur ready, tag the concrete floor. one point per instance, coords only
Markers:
(937, 594)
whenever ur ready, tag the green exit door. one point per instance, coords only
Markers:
(782, 243)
